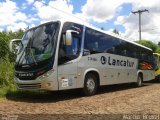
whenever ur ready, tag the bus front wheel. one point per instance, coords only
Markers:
(90, 84)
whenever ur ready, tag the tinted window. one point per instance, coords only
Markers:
(70, 52)
(97, 42)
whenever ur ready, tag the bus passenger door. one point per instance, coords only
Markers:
(67, 62)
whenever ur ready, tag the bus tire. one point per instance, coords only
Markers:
(90, 84)
(139, 81)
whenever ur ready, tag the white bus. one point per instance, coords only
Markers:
(61, 55)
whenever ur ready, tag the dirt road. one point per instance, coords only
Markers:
(115, 99)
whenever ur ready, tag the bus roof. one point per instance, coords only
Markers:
(102, 31)
(157, 54)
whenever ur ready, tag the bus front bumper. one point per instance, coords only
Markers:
(41, 83)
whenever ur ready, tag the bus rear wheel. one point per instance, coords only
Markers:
(139, 81)
(90, 84)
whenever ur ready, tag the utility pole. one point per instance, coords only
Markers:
(139, 13)
(67, 3)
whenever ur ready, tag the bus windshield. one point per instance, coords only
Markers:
(37, 44)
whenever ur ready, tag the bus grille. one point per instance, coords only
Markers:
(29, 86)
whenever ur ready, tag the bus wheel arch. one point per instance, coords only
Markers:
(91, 83)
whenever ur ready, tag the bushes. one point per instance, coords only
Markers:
(6, 77)
(6, 72)
(7, 62)
(5, 38)
(4, 90)
(4, 49)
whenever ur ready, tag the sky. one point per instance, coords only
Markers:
(109, 14)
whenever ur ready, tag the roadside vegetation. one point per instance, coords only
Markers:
(7, 60)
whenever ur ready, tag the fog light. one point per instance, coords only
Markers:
(48, 84)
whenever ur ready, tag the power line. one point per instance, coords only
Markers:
(140, 12)
(67, 3)
(69, 14)
(61, 10)
(151, 29)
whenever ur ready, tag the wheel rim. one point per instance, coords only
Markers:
(91, 85)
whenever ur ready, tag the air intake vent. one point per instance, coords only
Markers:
(29, 86)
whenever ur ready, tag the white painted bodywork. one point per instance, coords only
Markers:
(71, 75)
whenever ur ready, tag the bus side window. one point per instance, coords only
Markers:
(68, 52)
(73, 50)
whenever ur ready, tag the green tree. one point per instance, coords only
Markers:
(148, 44)
(4, 48)
(116, 31)
(7, 58)
(158, 50)
(5, 38)
(102, 28)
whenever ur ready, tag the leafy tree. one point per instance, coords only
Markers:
(116, 31)
(5, 37)
(148, 44)
(102, 28)
(4, 48)
(15, 35)
(7, 58)
(158, 50)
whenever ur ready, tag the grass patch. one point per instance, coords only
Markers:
(6, 77)
(23, 94)
(6, 73)
(11, 92)
(4, 90)
(7, 85)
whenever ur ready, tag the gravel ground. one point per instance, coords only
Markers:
(115, 99)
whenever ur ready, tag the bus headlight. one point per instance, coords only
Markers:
(47, 74)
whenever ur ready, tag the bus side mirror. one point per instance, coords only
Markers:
(68, 40)
(14, 44)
